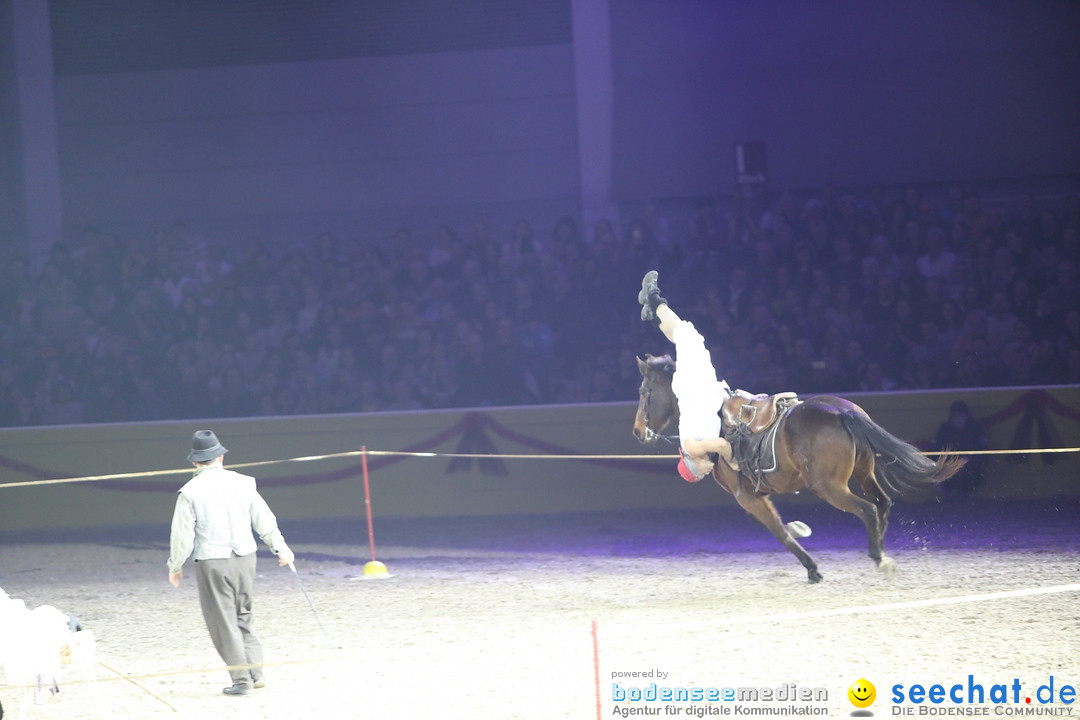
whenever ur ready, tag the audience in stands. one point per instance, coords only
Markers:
(834, 293)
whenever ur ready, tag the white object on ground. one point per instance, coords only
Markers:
(31, 642)
(798, 529)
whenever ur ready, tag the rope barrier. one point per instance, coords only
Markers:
(482, 456)
(1032, 451)
(137, 684)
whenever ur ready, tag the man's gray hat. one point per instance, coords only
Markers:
(205, 446)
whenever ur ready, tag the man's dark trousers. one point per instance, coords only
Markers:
(225, 595)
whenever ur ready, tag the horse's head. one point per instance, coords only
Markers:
(657, 405)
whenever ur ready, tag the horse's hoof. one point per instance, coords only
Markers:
(887, 566)
(813, 576)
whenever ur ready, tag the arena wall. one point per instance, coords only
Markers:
(346, 145)
(347, 119)
(843, 94)
(633, 477)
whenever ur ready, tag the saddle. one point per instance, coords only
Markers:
(755, 413)
(750, 425)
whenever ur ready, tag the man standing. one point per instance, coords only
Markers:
(961, 431)
(215, 513)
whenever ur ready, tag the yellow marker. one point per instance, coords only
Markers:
(862, 693)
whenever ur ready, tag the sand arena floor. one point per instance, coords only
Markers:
(492, 617)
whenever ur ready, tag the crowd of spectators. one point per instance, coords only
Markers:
(827, 293)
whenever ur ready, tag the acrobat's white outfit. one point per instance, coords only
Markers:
(699, 393)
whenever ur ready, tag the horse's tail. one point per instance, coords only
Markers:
(901, 465)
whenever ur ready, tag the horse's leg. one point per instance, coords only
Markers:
(867, 480)
(837, 493)
(762, 509)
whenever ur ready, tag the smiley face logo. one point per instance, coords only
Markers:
(862, 693)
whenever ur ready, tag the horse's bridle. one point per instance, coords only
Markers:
(650, 435)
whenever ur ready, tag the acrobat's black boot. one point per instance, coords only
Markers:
(649, 297)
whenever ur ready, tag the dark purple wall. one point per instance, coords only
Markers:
(253, 118)
(12, 219)
(279, 119)
(845, 93)
(110, 36)
(358, 146)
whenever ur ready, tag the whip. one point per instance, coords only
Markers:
(311, 605)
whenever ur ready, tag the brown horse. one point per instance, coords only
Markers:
(821, 444)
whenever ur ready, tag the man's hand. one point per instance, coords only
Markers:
(174, 578)
(285, 557)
